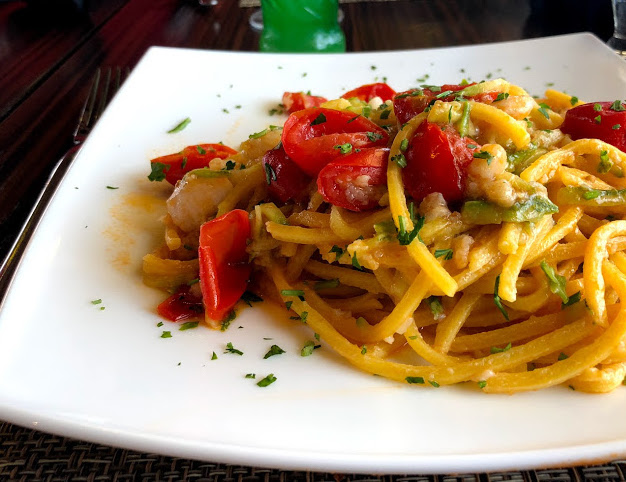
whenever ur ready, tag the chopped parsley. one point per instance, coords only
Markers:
(597, 107)
(484, 155)
(562, 356)
(268, 380)
(249, 297)
(374, 136)
(573, 100)
(436, 308)
(189, 325)
(230, 165)
(404, 144)
(419, 380)
(344, 148)
(482, 384)
(617, 106)
(575, 298)
(256, 135)
(616, 126)
(355, 263)
(307, 349)
(598, 119)
(274, 350)
(231, 349)
(605, 164)
(502, 96)
(434, 383)
(543, 109)
(399, 159)
(337, 250)
(112, 187)
(250, 375)
(363, 350)
(96, 302)
(226, 322)
(405, 237)
(445, 253)
(270, 174)
(201, 150)
(320, 119)
(496, 349)
(556, 282)
(498, 301)
(184, 123)
(298, 293)
(158, 170)
(166, 334)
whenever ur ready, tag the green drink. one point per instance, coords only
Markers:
(301, 26)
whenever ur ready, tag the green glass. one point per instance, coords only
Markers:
(301, 26)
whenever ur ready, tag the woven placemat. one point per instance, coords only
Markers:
(30, 456)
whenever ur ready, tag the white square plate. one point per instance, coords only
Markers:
(69, 367)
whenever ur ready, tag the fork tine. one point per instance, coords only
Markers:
(85, 114)
(104, 87)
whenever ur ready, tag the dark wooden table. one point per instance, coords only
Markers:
(50, 50)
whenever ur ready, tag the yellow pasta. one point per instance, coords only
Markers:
(467, 230)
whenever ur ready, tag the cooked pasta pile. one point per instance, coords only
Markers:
(509, 276)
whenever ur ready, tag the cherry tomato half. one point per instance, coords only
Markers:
(437, 161)
(190, 158)
(369, 91)
(286, 180)
(355, 181)
(182, 305)
(224, 268)
(314, 137)
(408, 104)
(295, 101)
(608, 123)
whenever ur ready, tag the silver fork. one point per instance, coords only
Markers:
(104, 86)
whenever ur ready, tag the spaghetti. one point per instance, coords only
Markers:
(442, 235)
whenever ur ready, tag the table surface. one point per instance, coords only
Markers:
(49, 52)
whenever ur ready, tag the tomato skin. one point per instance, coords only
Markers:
(580, 123)
(437, 161)
(291, 182)
(192, 158)
(224, 267)
(295, 101)
(368, 91)
(333, 178)
(407, 106)
(182, 305)
(311, 142)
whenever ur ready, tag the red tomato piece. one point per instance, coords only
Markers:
(311, 137)
(408, 104)
(190, 158)
(437, 161)
(286, 180)
(355, 181)
(607, 124)
(295, 101)
(369, 91)
(182, 305)
(224, 267)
